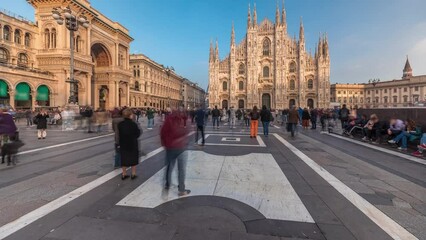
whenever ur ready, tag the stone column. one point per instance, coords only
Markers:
(12, 99)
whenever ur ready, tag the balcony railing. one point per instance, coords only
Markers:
(25, 68)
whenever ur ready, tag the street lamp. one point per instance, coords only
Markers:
(374, 81)
(72, 23)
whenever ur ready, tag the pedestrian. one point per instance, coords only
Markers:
(29, 117)
(265, 118)
(150, 115)
(232, 116)
(344, 116)
(116, 119)
(41, 118)
(174, 139)
(246, 118)
(7, 126)
(138, 114)
(128, 134)
(293, 120)
(254, 122)
(306, 117)
(215, 117)
(199, 119)
(88, 114)
(314, 116)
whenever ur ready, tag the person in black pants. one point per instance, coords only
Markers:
(199, 118)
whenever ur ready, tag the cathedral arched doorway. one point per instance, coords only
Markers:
(225, 104)
(291, 103)
(266, 100)
(241, 104)
(310, 103)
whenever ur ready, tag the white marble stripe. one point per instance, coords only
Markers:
(382, 220)
(42, 211)
(405, 156)
(254, 179)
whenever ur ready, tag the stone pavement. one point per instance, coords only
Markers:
(313, 186)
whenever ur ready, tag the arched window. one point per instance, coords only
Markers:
(292, 67)
(310, 84)
(27, 40)
(405, 99)
(292, 84)
(77, 44)
(134, 73)
(241, 69)
(22, 59)
(241, 85)
(139, 73)
(266, 72)
(137, 85)
(395, 99)
(46, 38)
(225, 85)
(17, 36)
(6, 33)
(53, 38)
(4, 56)
(266, 47)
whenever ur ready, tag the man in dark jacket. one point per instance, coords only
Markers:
(174, 139)
(215, 117)
(344, 116)
(199, 118)
(314, 116)
(265, 117)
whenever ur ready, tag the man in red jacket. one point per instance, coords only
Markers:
(174, 138)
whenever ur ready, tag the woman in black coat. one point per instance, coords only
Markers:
(41, 119)
(128, 132)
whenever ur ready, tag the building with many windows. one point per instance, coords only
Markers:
(156, 86)
(405, 92)
(35, 58)
(268, 67)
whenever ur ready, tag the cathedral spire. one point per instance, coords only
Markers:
(277, 15)
(211, 56)
(320, 45)
(301, 30)
(232, 35)
(283, 17)
(254, 16)
(249, 17)
(217, 51)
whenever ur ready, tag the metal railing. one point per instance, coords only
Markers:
(14, 15)
(25, 68)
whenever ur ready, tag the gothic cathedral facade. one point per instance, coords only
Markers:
(270, 68)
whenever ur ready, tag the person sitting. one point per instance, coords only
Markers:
(356, 124)
(370, 128)
(396, 127)
(412, 133)
(421, 147)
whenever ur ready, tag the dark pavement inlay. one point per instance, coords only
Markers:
(87, 174)
(247, 236)
(284, 229)
(378, 198)
(186, 233)
(333, 232)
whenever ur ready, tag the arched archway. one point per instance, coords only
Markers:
(23, 96)
(241, 104)
(266, 100)
(100, 94)
(43, 96)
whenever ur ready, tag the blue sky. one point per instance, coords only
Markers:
(367, 38)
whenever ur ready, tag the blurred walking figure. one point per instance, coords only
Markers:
(246, 118)
(306, 117)
(254, 123)
(7, 128)
(29, 117)
(128, 134)
(41, 124)
(174, 139)
(293, 120)
(199, 119)
(116, 119)
(232, 116)
(150, 116)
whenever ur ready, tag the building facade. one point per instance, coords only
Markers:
(35, 58)
(156, 86)
(405, 92)
(268, 67)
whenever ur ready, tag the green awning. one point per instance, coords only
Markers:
(22, 92)
(3, 88)
(42, 93)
